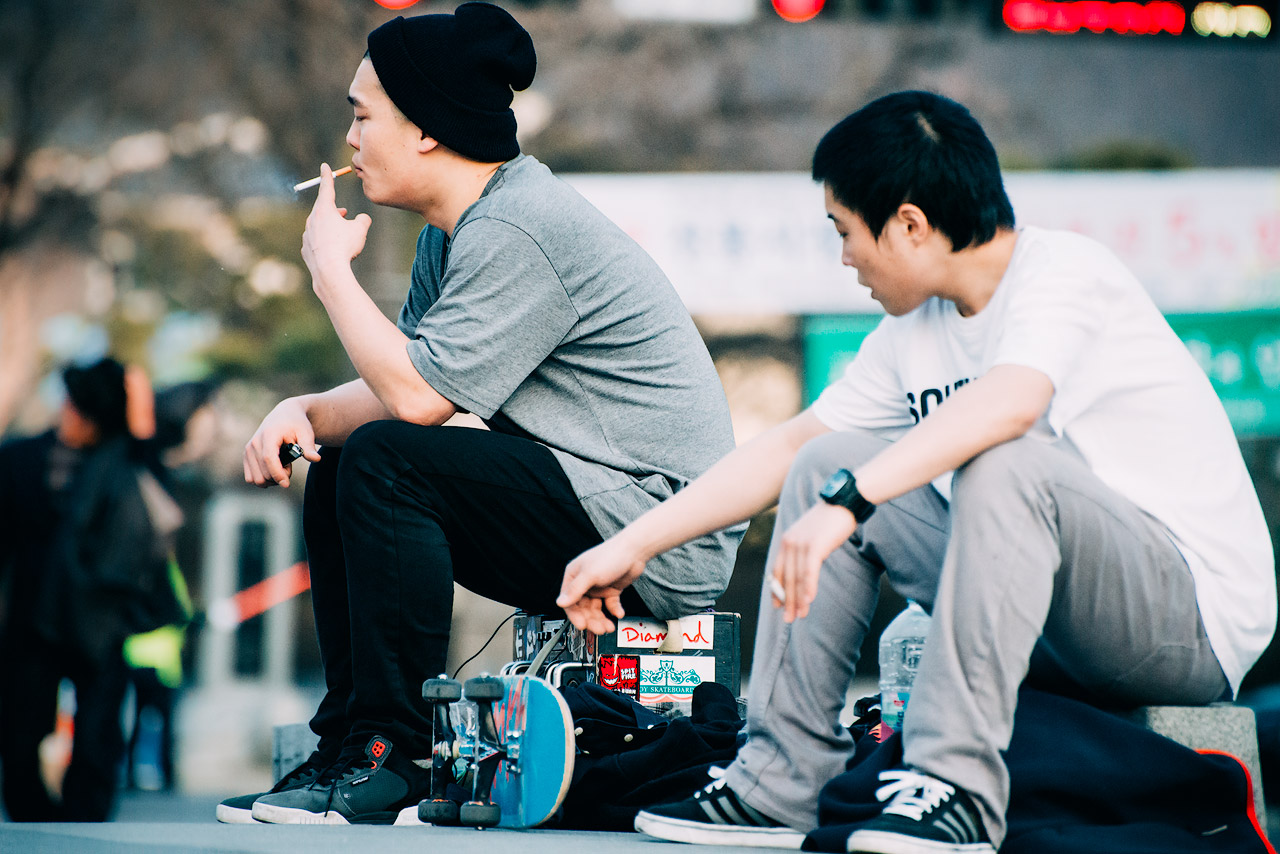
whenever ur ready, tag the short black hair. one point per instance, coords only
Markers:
(920, 148)
(97, 392)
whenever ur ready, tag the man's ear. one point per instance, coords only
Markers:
(913, 222)
(426, 144)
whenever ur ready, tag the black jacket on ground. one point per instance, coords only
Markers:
(1082, 779)
(663, 761)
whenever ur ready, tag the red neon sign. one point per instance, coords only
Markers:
(1096, 16)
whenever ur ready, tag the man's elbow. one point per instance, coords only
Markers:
(1025, 401)
(1023, 412)
(420, 409)
(1020, 421)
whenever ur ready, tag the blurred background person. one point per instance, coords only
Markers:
(182, 436)
(84, 533)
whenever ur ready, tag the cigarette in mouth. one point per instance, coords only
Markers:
(315, 182)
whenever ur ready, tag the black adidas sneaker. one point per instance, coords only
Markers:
(925, 816)
(716, 816)
(375, 785)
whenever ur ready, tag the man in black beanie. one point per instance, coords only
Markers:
(527, 308)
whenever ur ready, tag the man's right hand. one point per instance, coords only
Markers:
(286, 423)
(593, 584)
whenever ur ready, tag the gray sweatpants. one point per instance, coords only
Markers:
(1036, 569)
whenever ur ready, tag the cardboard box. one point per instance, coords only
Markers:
(638, 660)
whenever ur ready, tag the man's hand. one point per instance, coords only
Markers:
(594, 581)
(804, 546)
(286, 423)
(330, 238)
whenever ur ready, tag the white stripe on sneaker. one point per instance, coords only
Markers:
(969, 825)
(949, 825)
(712, 812)
(703, 833)
(732, 814)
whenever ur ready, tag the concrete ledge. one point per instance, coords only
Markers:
(291, 744)
(1220, 726)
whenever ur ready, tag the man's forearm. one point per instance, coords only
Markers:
(377, 350)
(1002, 405)
(745, 482)
(336, 413)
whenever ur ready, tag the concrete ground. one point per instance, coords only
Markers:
(156, 823)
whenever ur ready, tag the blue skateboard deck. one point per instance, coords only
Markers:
(537, 730)
(510, 743)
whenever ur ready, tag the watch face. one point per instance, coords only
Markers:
(835, 483)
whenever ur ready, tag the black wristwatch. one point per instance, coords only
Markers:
(842, 490)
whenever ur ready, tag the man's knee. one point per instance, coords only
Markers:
(371, 448)
(1014, 467)
(371, 460)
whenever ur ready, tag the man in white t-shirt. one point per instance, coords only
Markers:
(1023, 446)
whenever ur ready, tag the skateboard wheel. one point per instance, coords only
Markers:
(441, 691)
(438, 812)
(484, 688)
(475, 814)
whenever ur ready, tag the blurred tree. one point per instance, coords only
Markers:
(131, 133)
(1146, 155)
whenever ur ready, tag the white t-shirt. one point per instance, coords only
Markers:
(1128, 397)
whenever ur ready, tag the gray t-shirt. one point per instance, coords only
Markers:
(544, 319)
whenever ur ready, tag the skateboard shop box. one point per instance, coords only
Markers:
(640, 660)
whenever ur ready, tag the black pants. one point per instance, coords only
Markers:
(391, 520)
(28, 709)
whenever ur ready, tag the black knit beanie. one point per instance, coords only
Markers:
(453, 76)
(98, 393)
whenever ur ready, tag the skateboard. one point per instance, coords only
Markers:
(507, 741)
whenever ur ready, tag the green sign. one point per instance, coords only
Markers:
(830, 343)
(1240, 351)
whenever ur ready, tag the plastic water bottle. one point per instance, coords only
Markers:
(900, 649)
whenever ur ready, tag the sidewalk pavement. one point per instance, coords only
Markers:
(156, 823)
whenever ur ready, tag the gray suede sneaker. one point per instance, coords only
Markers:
(239, 810)
(375, 785)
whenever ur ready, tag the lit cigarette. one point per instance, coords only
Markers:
(315, 182)
(775, 587)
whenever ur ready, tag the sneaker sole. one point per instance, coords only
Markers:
(880, 842)
(701, 833)
(234, 815)
(408, 817)
(272, 814)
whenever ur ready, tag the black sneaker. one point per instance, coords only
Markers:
(375, 785)
(239, 810)
(716, 816)
(926, 816)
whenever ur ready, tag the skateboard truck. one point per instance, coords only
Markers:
(479, 749)
(440, 693)
(488, 751)
(485, 749)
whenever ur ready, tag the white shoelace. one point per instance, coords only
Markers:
(717, 781)
(913, 793)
